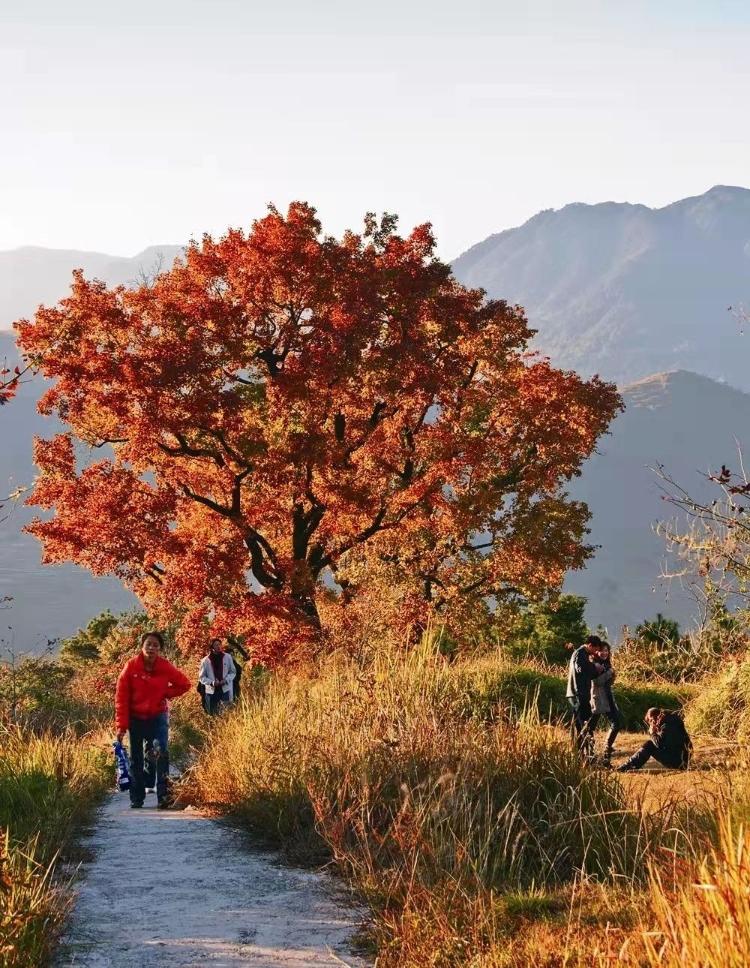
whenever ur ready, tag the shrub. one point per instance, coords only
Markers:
(721, 707)
(488, 688)
(85, 645)
(659, 630)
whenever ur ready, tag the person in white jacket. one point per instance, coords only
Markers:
(216, 674)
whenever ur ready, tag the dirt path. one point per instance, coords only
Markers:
(177, 889)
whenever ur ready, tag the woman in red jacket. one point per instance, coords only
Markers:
(144, 686)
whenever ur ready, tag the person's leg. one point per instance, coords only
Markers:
(588, 741)
(161, 735)
(137, 784)
(592, 723)
(637, 760)
(149, 766)
(671, 762)
(615, 718)
(573, 703)
(583, 718)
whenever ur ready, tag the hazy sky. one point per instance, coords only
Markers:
(134, 123)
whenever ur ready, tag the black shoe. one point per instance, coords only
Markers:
(136, 806)
(163, 803)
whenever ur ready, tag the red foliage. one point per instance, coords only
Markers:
(280, 401)
(9, 380)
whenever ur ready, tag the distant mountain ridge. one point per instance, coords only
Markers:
(33, 275)
(691, 425)
(625, 290)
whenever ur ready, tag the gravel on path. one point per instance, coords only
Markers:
(177, 889)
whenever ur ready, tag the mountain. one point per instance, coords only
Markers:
(30, 276)
(624, 290)
(690, 425)
(50, 601)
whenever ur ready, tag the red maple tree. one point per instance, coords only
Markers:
(280, 404)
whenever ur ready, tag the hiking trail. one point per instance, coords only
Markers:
(177, 889)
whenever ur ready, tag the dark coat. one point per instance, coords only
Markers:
(672, 741)
(581, 672)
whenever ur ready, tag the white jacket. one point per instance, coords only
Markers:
(206, 676)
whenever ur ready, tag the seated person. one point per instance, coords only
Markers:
(669, 745)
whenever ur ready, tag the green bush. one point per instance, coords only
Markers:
(487, 689)
(543, 629)
(85, 645)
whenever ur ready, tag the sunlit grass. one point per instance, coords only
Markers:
(449, 796)
(48, 786)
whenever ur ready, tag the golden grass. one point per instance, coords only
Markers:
(467, 822)
(48, 786)
(704, 922)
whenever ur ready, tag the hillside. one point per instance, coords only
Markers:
(48, 601)
(31, 275)
(625, 290)
(686, 422)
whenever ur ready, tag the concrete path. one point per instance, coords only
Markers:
(177, 889)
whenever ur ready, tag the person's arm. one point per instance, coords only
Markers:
(178, 682)
(231, 671)
(607, 675)
(122, 703)
(203, 673)
(581, 665)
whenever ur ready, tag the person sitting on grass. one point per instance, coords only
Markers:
(669, 745)
(603, 700)
(581, 672)
(144, 689)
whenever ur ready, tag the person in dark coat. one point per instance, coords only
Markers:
(581, 672)
(669, 745)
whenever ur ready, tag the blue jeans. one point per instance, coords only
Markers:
(148, 731)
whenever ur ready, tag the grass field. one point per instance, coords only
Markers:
(450, 796)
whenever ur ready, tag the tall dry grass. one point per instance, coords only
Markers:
(438, 803)
(705, 920)
(48, 786)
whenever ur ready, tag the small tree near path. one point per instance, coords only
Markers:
(281, 404)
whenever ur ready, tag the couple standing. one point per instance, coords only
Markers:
(216, 678)
(589, 692)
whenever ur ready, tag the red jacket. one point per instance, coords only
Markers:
(143, 694)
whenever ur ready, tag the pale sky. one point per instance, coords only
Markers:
(136, 123)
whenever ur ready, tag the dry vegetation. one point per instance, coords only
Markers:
(444, 788)
(48, 785)
(462, 816)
